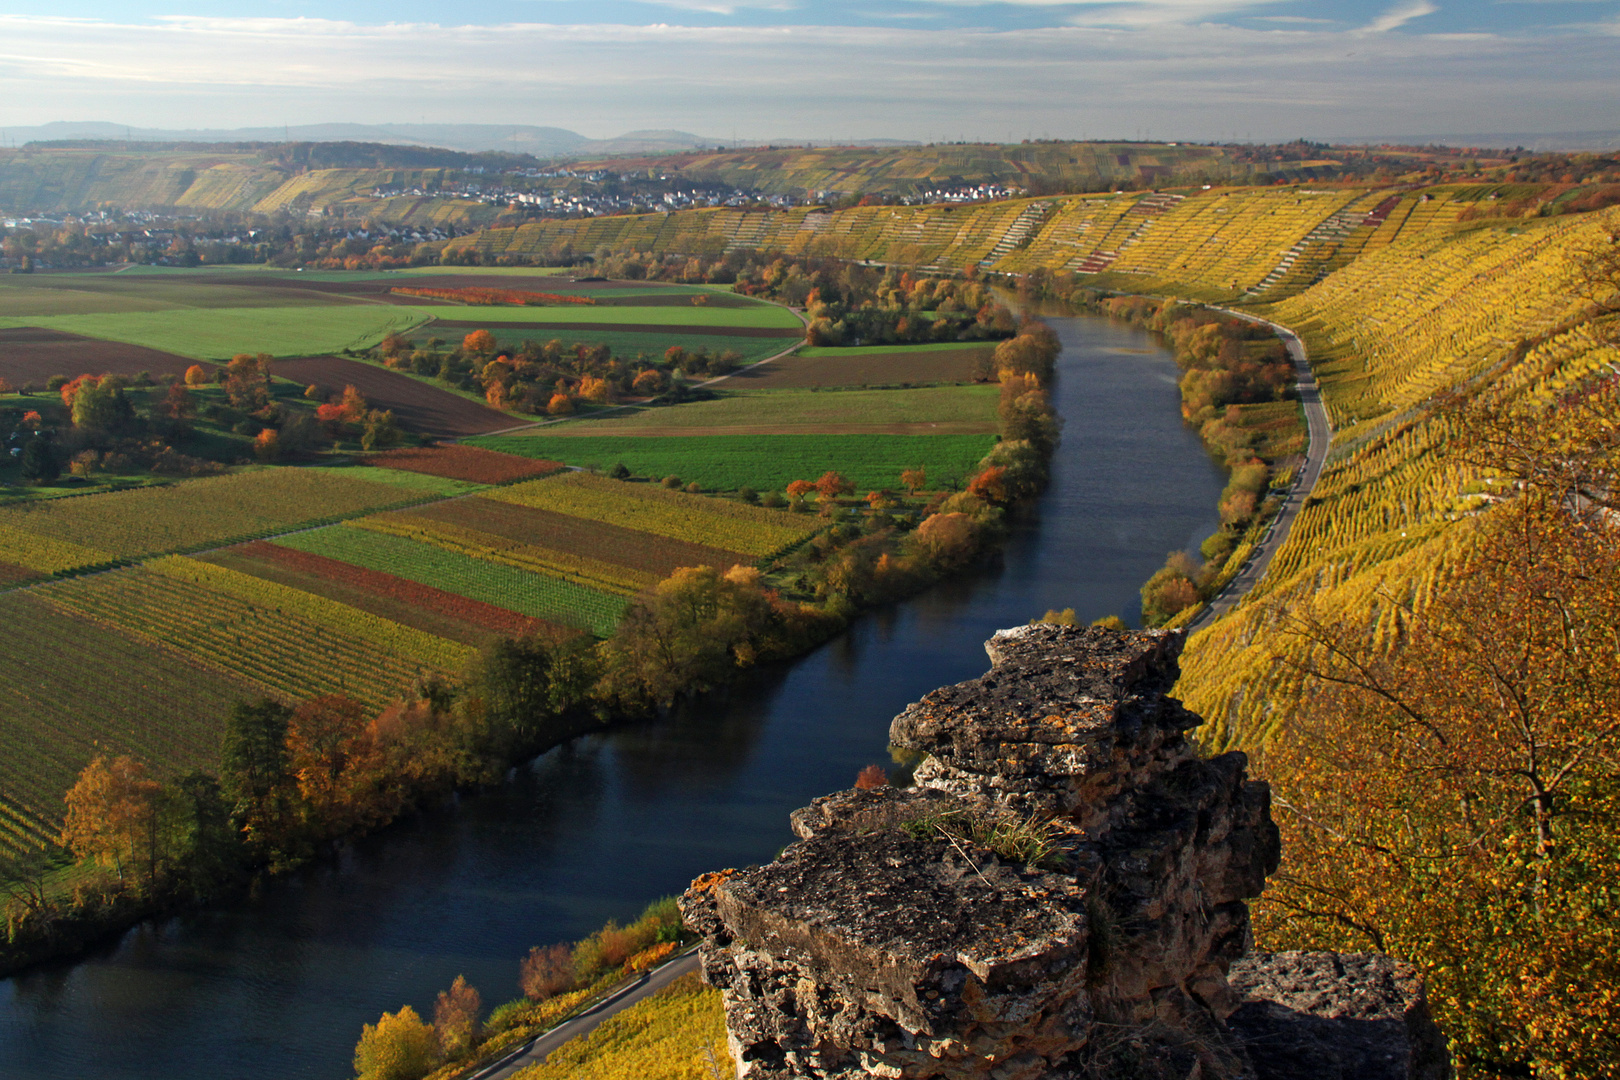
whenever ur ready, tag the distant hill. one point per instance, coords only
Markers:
(544, 142)
(1542, 142)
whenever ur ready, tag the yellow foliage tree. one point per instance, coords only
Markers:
(399, 1046)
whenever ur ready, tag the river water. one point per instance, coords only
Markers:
(279, 986)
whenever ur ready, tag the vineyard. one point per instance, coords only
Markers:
(693, 519)
(74, 687)
(1486, 304)
(279, 652)
(72, 534)
(541, 597)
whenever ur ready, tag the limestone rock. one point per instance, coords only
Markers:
(1336, 1016)
(1061, 895)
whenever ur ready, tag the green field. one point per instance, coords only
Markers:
(755, 316)
(220, 333)
(84, 294)
(957, 410)
(763, 462)
(516, 590)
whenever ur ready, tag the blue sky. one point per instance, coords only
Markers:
(762, 69)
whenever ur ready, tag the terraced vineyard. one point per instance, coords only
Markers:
(1487, 305)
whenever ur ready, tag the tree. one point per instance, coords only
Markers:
(247, 381)
(110, 811)
(1450, 794)
(914, 480)
(832, 484)
(400, 1046)
(455, 1017)
(689, 635)
(323, 737)
(197, 375)
(38, 461)
(480, 342)
(381, 431)
(560, 405)
(547, 972)
(254, 775)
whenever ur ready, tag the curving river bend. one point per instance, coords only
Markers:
(278, 986)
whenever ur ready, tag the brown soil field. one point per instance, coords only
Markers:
(866, 369)
(416, 405)
(540, 331)
(579, 536)
(466, 463)
(29, 355)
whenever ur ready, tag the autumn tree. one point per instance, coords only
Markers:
(479, 342)
(914, 480)
(324, 737)
(831, 485)
(455, 1018)
(247, 381)
(690, 634)
(1449, 795)
(110, 813)
(547, 971)
(197, 375)
(399, 1046)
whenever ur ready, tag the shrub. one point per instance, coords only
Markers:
(671, 482)
(621, 471)
(694, 488)
(748, 494)
(455, 1017)
(547, 972)
(870, 777)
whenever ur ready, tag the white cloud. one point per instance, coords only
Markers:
(1399, 15)
(1183, 80)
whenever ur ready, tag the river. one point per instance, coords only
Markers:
(278, 986)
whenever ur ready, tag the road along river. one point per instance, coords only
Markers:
(278, 986)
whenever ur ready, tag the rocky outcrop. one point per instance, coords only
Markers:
(1062, 893)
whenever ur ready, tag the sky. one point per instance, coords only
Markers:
(928, 70)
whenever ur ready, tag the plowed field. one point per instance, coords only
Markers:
(464, 463)
(828, 368)
(416, 405)
(29, 355)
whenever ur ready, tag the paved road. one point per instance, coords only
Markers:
(1320, 432)
(534, 1052)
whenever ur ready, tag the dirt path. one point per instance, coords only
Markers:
(1320, 434)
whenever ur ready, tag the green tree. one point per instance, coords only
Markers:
(255, 781)
(38, 461)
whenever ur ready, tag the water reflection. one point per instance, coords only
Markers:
(278, 985)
